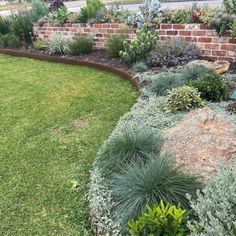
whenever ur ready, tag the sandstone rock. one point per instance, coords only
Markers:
(217, 66)
(201, 141)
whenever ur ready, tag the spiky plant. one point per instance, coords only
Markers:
(141, 184)
(165, 82)
(195, 72)
(128, 147)
(58, 45)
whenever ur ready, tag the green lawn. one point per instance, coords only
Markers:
(53, 119)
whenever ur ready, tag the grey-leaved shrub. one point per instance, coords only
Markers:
(215, 207)
(183, 99)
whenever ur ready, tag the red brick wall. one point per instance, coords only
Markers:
(211, 46)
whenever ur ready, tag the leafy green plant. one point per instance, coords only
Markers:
(230, 6)
(181, 16)
(57, 45)
(81, 45)
(40, 44)
(211, 87)
(183, 99)
(140, 46)
(38, 10)
(233, 29)
(195, 72)
(22, 26)
(115, 44)
(9, 40)
(162, 219)
(60, 16)
(222, 22)
(140, 184)
(127, 147)
(139, 67)
(165, 82)
(214, 207)
(4, 25)
(208, 14)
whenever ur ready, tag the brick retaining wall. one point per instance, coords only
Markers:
(212, 46)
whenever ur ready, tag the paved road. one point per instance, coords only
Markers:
(76, 5)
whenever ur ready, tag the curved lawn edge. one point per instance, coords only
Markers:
(72, 61)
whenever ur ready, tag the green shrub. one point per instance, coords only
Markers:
(183, 99)
(140, 46)
(181, 16)
(92, 7)
(115, 45)
(139, 67)
(81, 45)
(83, 15)
(9, 40)
(57, 45)
(195, 72)
(215, 206)
(165, 82)
(230, 6)
(38, 10)
(211, 88)
(127, 147)
(4, 25)
(60, 16)
(22, 26)
(162, 219)
(40, 44)
(233, 29)
(140, 184)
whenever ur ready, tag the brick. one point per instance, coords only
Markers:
(166, 26)
(226, 59)
(98, 35)
(220, 40)
(199, 33)
(219, 53)
(204, 40)
(111, 31)
(172, 32)
(178, 26)
(227, 47)
(115, 26)
(190, 39)
(211, 33)
(206, 52)
(87, 30)
(232, 40)
(97, 26)
(203, 26)
(212, 46)
(161, 32)
(165, 37)
(231, 53)
(106, 26)
(185, 33)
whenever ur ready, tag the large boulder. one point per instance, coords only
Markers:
(217, 66)
(201, 141)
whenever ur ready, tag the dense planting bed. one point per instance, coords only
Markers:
(53, 119)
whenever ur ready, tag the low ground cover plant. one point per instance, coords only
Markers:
(140, 67)
(173, 53)
(81, 45)
(194, 72)
(161, 219)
